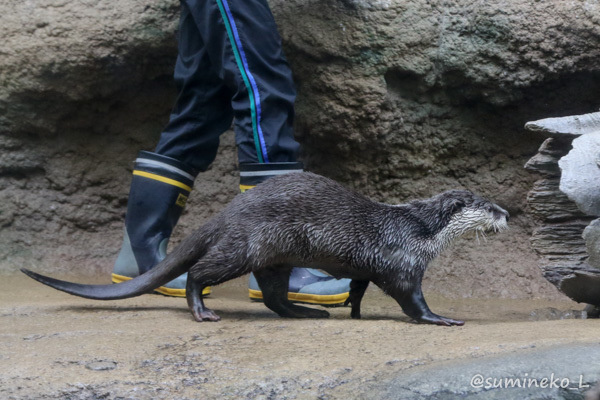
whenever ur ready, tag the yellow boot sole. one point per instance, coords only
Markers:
(321, 299)
(161, 289)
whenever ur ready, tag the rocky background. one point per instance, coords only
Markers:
(565, 203)
(398, 99)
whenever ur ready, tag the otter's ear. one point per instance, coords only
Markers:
(455, 205)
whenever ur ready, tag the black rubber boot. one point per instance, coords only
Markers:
(159, 190)
(306, 285)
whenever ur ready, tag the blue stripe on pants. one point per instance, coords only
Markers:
(254, 92)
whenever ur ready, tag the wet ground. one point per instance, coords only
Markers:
(53, 345)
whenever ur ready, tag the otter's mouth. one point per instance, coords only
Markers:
(498, 224)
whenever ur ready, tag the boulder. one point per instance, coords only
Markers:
(547, 203)
(580, 282)
(580, 178)
(579, 168)
(570, 126)
(559, 236)
(591, 235)
(545, 162)
(562, 242)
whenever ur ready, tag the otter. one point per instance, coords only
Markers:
(309, 220)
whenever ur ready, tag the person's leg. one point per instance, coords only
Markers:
(162, 180)
(202, 111)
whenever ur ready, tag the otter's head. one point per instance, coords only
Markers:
(469, 213)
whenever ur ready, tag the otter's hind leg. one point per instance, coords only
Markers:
(274, 284)
(193, 293)
(357, 291)
(214, 268)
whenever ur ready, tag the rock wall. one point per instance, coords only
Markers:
(565, 201)
(559, 235)
(399, 99)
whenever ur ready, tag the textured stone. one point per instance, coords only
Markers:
(580, 177)
(580, 282)
(545, 162)
(573, 125)
(561, 242)
(560, 238)
(547, 203)
(593, 394)
(591, 235)
(105, 365)
(517, 376)
(593, 312)
(556, 147)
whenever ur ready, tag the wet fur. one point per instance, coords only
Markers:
(309, 220)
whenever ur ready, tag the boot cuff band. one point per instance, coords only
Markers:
(146, 156)
(253, 174)
(163, 166)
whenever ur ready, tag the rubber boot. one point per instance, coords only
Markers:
(309, 285)
(306, 285)
(159, 190)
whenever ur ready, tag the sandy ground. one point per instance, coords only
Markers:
(58, 346)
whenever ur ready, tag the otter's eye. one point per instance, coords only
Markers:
(489, 209)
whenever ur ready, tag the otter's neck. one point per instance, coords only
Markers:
(425, 227)
(449, 234)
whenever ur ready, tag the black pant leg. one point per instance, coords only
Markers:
(244, 49)
(202, 111)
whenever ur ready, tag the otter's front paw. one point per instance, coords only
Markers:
(439, 320)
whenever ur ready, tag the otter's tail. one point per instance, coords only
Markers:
(175, 264)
